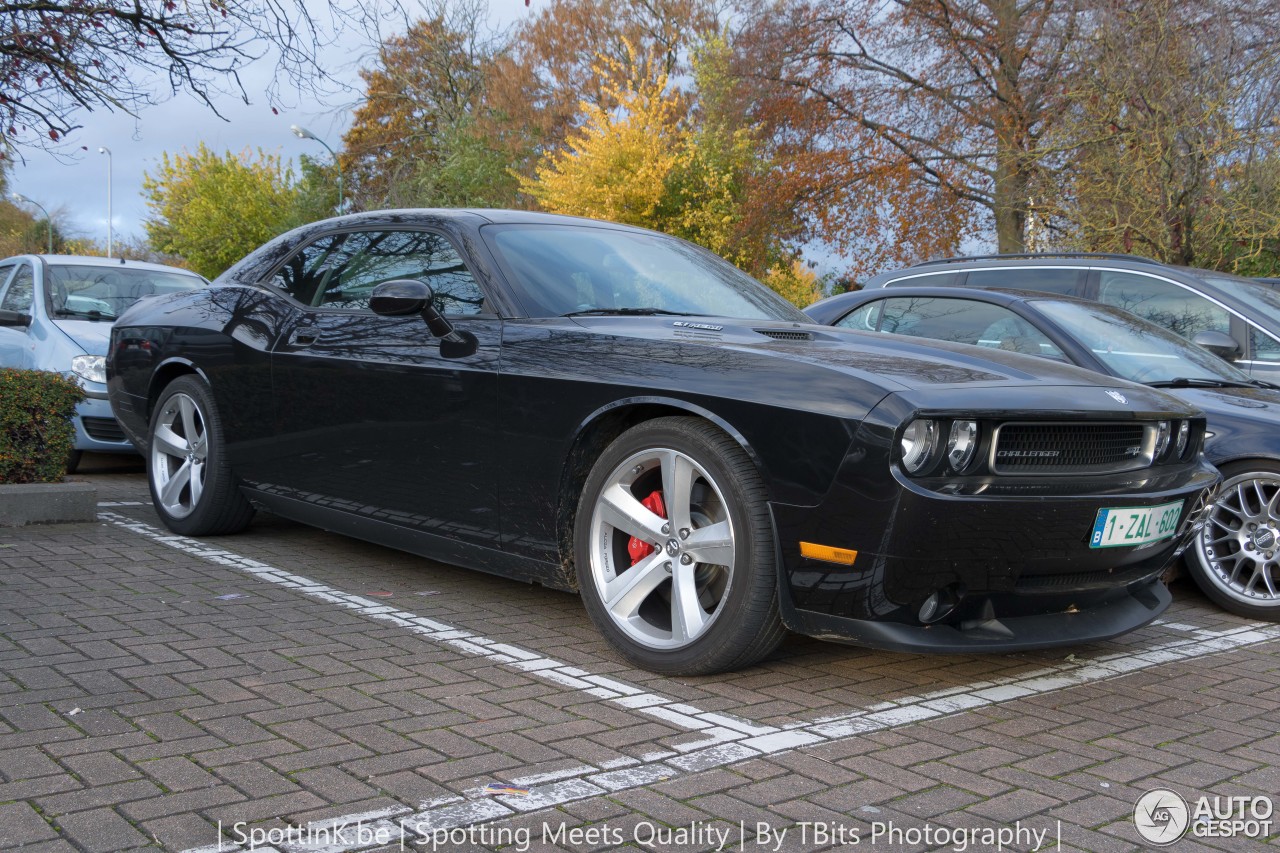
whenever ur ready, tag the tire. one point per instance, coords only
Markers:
(636, 567)
(1238, 565)
(192, 486)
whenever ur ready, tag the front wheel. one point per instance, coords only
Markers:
(1236, 558)
(192, 486)
(675, 553)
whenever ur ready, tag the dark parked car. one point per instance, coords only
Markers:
(1182, 299)
(596, 407)
(1236, 559)
(55, 313)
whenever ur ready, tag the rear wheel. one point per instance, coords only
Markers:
(1236, 559)
(192, 486)
(675, 552)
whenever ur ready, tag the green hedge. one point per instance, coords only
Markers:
(35, 425)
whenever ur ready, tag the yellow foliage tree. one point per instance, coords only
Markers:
(617, 163)
(212, 209)
(648, 162)
(794, 282)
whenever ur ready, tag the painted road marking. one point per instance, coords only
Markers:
(723, 738)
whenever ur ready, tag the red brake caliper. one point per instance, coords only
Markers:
(638, 548)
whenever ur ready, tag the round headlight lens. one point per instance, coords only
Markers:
(918, 440)
(962, 444)
(1184, 433)
(1162, 439)
(90, 368)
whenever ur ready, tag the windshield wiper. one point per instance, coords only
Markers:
(626, 312)
(1196, 382)
(95, 314)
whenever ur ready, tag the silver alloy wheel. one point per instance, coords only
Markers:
(1239, 546)
(669, 598)
(179, 451)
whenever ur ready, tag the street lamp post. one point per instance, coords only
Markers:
(303, 133)
(47, 218)
(104, 150)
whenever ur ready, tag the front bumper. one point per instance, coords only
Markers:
(1004, 567)
(97, 430)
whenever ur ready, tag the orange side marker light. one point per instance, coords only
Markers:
(828, 554)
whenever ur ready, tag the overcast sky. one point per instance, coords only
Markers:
(76, 179)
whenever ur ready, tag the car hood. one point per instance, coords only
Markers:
(1262, 404)
(93, 336)
(900, 362)
(928, 374)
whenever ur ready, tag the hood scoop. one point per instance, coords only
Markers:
(785, 334)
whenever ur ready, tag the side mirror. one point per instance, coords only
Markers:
(14, 318)
(400, 297)
(405, 296)
(1219, 343)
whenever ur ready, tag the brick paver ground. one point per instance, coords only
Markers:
(149, 694)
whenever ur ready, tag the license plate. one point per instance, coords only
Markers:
(1134, 525)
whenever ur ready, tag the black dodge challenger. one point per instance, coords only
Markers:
(600, 408)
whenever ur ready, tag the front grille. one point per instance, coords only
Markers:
(103, 429)
(786, 335)
(1071, 448)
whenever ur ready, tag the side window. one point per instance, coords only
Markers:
(964, 322)
(341, 270)
(1164, 303)
(6, 270)
(864, 318)
(1262, 346)
(1042, 279)
(21, 287)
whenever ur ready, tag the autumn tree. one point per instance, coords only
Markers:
(58, 59)
(616, 166)
(1173, 136)
(549, 70)
(651, 161)
(212, 209)
(425, 87)
(948, 101)
(20, 232)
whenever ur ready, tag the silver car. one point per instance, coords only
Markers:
(56, 313)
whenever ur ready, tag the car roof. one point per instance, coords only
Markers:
(476, 215)
(1053, 259)
(1200, 280)
(99, 261)
(994, 295)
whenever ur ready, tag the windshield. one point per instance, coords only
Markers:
(1262, 299)
(103, 292)
(1135, 349)
(561, 270)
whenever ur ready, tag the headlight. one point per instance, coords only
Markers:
(90, 368)
(1162, 439)
(1184, 432)
(918, 441)
(962, 444)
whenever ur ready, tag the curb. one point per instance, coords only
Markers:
(47, 503)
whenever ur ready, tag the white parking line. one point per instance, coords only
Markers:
(722, 738)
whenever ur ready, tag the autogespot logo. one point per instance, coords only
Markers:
(1161, 816)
